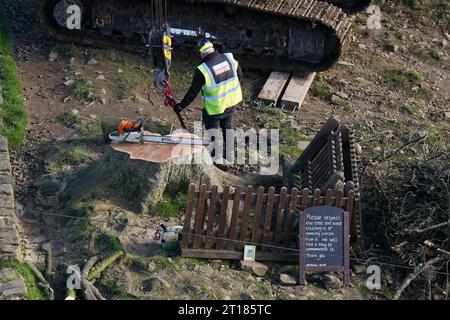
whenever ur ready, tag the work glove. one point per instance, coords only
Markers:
(177, 108)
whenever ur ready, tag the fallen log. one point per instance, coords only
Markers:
(48, 247)
(88, 266)
(430, 228)
(417, 271)
(92, 242)
(438, 249)
(71, 294)
(88, 294)
(37, 273)
(91, 292)
(103, 265)
(42, 280)
(46, 287)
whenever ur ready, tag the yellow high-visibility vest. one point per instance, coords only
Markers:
(217, 97)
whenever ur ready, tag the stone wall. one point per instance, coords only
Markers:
(9, 235)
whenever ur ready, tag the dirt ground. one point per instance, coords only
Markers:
(359, 89)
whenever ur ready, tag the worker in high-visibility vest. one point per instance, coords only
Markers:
(218, 78)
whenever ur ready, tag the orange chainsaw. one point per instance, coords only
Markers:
(133, 131)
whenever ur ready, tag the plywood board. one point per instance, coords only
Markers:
(157, 152)
(297, 90)
(274, 87)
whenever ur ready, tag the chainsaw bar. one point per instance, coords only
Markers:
(140, 137)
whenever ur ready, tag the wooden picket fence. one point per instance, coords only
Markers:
(218, 224)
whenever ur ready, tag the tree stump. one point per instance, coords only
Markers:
(140, 185)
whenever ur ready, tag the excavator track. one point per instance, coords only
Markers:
(287, 35)
(350, 5)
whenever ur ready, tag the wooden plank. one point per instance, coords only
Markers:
(318, 141)
(321, 156)
(268, 218)
(333, 179)
(280, 215)
(301, 248)
(187, 217)
(297, 90)
(290, 218)
(305, 198)
(339, 197)
(274, 87)
(238, 255)
(223, 217)
(350, 202)
(322, 162)
(199, 216)
(211, 217)
(349, 208)
(320, 179)
(317, 200)
(328, 197)
(258, 209)
(246, 214)
(205, 179)
(234, 218)
(346, 249)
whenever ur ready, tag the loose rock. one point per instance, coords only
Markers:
(377, 149)
(287, 280)
(342, 95)
(193, 289)
(92, 62)
(154, 284)
(358, 149)
(256, 268)
(151, 266)
(360, 268)
(140, 99)
(39, 239)
(391, 48)
(246, 296)
(69, 83)
(336, 99)
(53, 56)
(447, 36)
(13, 290)
(331, 282)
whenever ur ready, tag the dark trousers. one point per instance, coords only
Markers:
(223, 121)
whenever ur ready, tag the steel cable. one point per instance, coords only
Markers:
(213, 237)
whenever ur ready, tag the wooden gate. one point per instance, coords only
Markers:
(331, 157)
(217, 225)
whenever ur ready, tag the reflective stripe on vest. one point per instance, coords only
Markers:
(217, 97)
